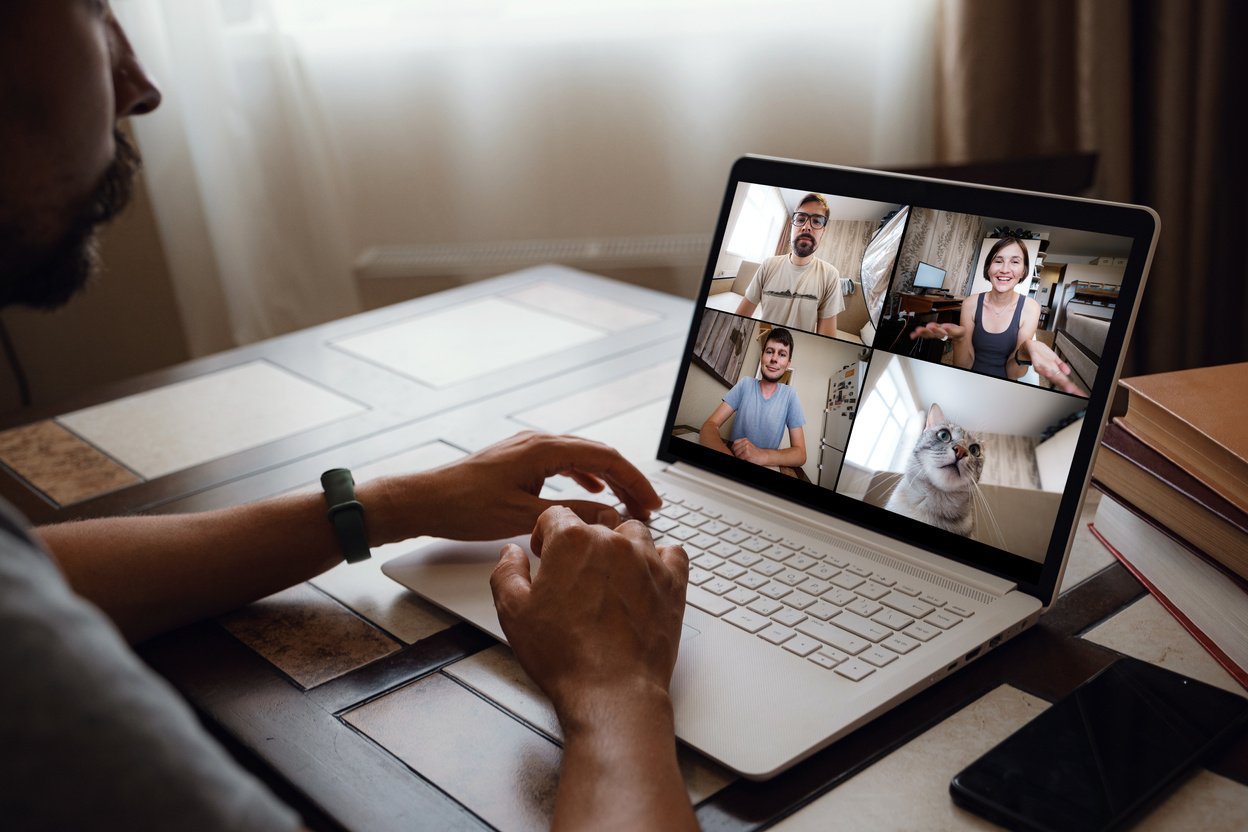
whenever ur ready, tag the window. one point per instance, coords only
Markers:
(758, 225)
(881, 440)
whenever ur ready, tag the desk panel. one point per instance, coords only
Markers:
(412, 720)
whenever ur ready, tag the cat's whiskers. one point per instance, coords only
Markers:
(884, 488)
(981, 500)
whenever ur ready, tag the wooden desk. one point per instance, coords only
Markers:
(946, 308)
(368, 710)
(912, 310)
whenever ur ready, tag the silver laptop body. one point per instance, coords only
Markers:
(871, 605)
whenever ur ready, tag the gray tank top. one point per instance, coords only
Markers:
(992, 349)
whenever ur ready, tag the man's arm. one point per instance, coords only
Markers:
(831, 303)
(709, 435)
(598, 630)
(793, 456)
(746, 308)
(153, 573)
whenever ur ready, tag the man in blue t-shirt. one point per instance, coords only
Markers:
(765, 408)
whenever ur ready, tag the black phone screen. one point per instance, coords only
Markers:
(1104, 753)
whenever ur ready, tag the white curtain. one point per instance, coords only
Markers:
(297, 133)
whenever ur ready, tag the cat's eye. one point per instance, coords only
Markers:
(975, 451)
(943, 435)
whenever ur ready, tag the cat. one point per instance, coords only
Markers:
(941, 479)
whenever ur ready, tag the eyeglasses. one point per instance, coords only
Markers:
(800, 218)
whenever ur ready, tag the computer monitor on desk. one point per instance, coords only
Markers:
(928, 277)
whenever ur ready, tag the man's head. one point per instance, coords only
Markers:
(807, 225)
(67, 75)
(777, 353)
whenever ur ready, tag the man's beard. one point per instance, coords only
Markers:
(804, 246)
(47, 277)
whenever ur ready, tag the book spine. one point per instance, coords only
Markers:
(1213, 649)
(1105, 488)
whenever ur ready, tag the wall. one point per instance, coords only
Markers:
(123, 324)
(700, 397)
(947, 240)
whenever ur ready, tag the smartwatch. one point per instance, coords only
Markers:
(346, 514)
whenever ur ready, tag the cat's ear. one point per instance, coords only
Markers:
(935, 416)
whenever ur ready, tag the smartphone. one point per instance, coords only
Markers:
(1103, 755)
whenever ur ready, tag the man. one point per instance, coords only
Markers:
(89, 737)
(797, 289)
(764, 410)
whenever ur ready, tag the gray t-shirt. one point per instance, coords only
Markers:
(797, 297)
(90, 738)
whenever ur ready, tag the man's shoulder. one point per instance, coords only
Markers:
(771, 265)
(826, 268)
(747, 383)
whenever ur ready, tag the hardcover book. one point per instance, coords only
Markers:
(1210, 603)
(1196, 418)
(1180, 502)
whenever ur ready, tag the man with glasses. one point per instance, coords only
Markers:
(798, 290)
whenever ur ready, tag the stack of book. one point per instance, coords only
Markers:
(1174, 472)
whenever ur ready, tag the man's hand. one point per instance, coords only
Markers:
(598, 630)
(602, 618)
(494, 493)
(747, 450)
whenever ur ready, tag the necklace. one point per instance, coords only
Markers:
(1000, 309)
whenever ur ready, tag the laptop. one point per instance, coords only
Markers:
(828, 587)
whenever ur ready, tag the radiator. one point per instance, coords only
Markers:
(669, 263)
(478, 259)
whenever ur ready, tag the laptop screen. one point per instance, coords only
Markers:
(961, 418)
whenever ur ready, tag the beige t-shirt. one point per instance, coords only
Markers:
(796, 296)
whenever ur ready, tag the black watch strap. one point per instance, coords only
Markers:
(346, 514)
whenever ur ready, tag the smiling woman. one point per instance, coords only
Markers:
(303, 133)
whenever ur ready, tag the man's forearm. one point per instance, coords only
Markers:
(619, 769)
(153, 573)
(787, 457)
(710, 438)
(157, 572)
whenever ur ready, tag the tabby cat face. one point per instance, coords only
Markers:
(952, 458)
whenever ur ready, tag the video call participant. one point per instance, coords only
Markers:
(90, 737)
(765, 410)
(798, 290)
(996, 333)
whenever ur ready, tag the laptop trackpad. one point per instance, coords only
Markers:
(455, 575)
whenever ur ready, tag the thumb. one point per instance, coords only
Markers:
(511, 581)
(590, 511)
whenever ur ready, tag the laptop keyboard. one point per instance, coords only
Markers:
(844, 616)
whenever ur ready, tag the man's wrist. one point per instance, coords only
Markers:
(639, 707)
(388, 522)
